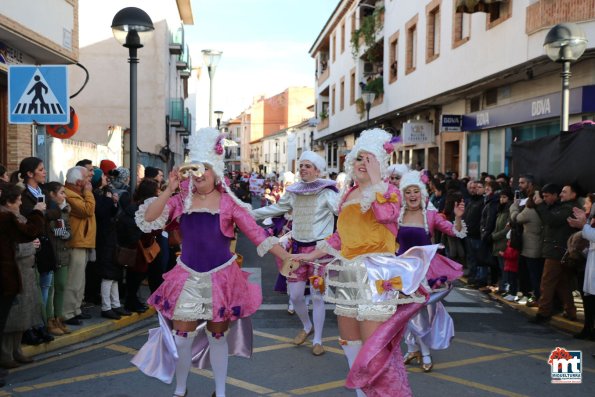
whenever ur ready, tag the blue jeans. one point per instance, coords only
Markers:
(45, 282)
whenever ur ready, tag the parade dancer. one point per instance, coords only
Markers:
(432, 327)
(313, 204)
(375, 292)
(206, 284)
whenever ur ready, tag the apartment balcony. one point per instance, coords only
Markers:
(323, 124)
(324, 75)
(183, 59)
(187, 71)
(176, 112)
(544, 14)
(176, 41)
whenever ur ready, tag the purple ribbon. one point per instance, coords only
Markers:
(438, 280)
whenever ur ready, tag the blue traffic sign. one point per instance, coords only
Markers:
(38, 94)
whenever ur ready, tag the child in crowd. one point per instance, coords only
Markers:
(511, 268)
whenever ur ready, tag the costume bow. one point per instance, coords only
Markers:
(382, 198)
(317, 282)
(437, 282)
(393, 284)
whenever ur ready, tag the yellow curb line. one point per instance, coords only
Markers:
(86, 333)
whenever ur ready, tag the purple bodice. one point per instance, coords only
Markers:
(411, 236)
(204, 246)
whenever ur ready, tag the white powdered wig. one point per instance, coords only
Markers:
(315, 159)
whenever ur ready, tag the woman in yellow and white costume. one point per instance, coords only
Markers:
(375, 292)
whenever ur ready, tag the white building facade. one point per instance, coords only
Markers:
(458, 87)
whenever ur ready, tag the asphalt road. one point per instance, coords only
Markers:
(495, 352)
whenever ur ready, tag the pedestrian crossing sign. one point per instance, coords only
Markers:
(38, 94)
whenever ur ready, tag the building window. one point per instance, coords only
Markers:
(475, 104)
(495, 151)
(498, 13)
(491, 97)
(342, 94)
(352, 24)
(461, 31)
(334, 46)
(393, 57)
(411, 52)
(343, 37)
(433, 31)
(352, 87)
(333, 99)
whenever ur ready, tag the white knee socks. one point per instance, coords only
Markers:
(425, 351)
(351, 349)
(184, 346)
(318, 315)
(218, 354)
(296, 294)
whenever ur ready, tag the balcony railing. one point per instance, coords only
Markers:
(323, 124)
(187, 71)
(176, 112)
(183, 59)
(176, 41)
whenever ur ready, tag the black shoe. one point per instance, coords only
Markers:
(110, 314)
(83, 316)
(73, 321)
(43, 333)
(539, 319)
(31, 338)
(121, 311)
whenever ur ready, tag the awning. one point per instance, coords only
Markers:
(472, 6)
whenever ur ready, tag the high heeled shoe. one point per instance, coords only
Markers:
(409, 357)
(427, 367)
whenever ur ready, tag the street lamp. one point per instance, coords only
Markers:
(132, 27)
(211, 59)
(565, 43)
(368, 97)
(219, 115)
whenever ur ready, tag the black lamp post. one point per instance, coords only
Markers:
(131, 26)
(219, 115)
(368, 97)
(565, 43)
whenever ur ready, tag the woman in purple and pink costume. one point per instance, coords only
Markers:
(206, 284)
(431, 327)
(375, 292)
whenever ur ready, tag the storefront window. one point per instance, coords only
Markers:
(495, 151)
(473, 152)
(535, 131)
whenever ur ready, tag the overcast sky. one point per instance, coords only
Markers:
(265, 47)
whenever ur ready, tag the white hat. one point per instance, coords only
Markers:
(398, 169)
(206, 146)
(375, 141)
(413, 178)
(315, 159)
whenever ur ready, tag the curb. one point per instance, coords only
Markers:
(557, 321)
(85, 333)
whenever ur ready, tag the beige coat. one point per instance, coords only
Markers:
(532, 230)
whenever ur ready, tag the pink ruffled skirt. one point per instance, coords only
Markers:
(221, 294)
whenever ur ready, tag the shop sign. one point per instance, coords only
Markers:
(582, 100)
(451, 122)
(418, 132)
(9, 55)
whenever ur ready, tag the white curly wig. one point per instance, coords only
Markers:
(413, 178)
(371, 141)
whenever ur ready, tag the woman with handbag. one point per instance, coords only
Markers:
(132, 242)
(206, 285)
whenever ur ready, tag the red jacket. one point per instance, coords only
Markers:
(511, 259)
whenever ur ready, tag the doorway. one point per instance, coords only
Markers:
(452, 156)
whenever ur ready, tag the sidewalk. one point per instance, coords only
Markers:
(92, 328)
(557, 321)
